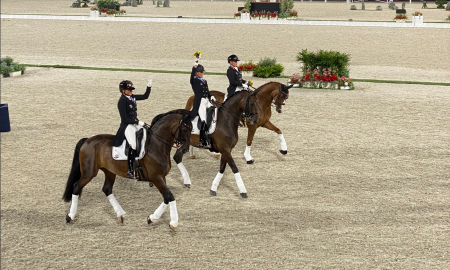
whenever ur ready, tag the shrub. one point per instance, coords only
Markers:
(8, 66)
(268, 67)
(103, 4)
(440, 3)
(336, 61)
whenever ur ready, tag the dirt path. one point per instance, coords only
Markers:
(364, 184)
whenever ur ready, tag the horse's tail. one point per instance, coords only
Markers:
(75, 172)
(190, 103)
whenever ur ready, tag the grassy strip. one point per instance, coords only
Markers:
(220, 73)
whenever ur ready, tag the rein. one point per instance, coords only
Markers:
(179, 141)
(245, 114)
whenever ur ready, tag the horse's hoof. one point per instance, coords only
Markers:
(250, 161)
(284, 152)
(173, 228)
(149, 221)
(212, 193)
(68, 219)
(187, 185)
(150, 184)
(244, 195)
(120, 219)
(192, 157)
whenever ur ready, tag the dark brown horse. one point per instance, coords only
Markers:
(95, 153)
(225, 136)
(272, 92)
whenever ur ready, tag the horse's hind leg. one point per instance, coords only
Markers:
(78, 187)
(272, 127)
(110, 178)
(178, 157)
(169, 199)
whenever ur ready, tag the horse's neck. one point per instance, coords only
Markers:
(268, 93)
(162, 139)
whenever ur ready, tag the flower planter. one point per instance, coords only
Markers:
(94, 13)
(110, 15)
(345, 87)
(16, 73)
(237, 17)
(417, 19)
(295, 85)
(245, 16)
(247, 73)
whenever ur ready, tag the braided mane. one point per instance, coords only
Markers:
(162, 115)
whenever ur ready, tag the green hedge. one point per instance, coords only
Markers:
(268, 67)
(338, 62)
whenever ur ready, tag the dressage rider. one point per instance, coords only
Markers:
(129, 124)
(234, 77)
(202, 96)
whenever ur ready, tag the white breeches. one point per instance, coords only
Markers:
(239, 88)
(202, 109)
(130, 134)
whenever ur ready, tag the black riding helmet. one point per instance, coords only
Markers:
(199, 68)
(233, 57)
(126, 85)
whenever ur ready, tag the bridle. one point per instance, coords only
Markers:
(179, 140)
(276, 100)
(247, 113)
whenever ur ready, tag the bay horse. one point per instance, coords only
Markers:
(271, 92)
(95, 153)
(225, 137)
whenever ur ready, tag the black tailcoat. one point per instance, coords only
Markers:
(201, 90)
(128, 115)
(235, 79)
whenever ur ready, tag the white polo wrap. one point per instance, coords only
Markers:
(115, 204)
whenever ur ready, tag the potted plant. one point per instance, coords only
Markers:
(247, 68)
(417, 17)
(111, 13)
(400, 18)
(245, 15)
(294, 80)
(254, 15)
(11, 68)
(263, 15)
(345, 83)
(237, 15)
(268, 67)
(85, 3)
(293, 14)
(94, 11)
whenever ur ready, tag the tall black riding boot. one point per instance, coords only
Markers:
(204, 140)
(131, 156)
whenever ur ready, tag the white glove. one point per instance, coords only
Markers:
(245, 86)
(149, 84)
(141, 124)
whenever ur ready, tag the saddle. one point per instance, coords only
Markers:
(121, 152)
(211, 119)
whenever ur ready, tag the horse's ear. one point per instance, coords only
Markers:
(285, 88)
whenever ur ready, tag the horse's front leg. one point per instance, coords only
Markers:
(110, 178)
(169, 200)
(178, 157)
(272, 127)
(216, 181)
(227, 158)
(250, 135)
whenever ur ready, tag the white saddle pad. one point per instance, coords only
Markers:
(212, 128)
(118, 153)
